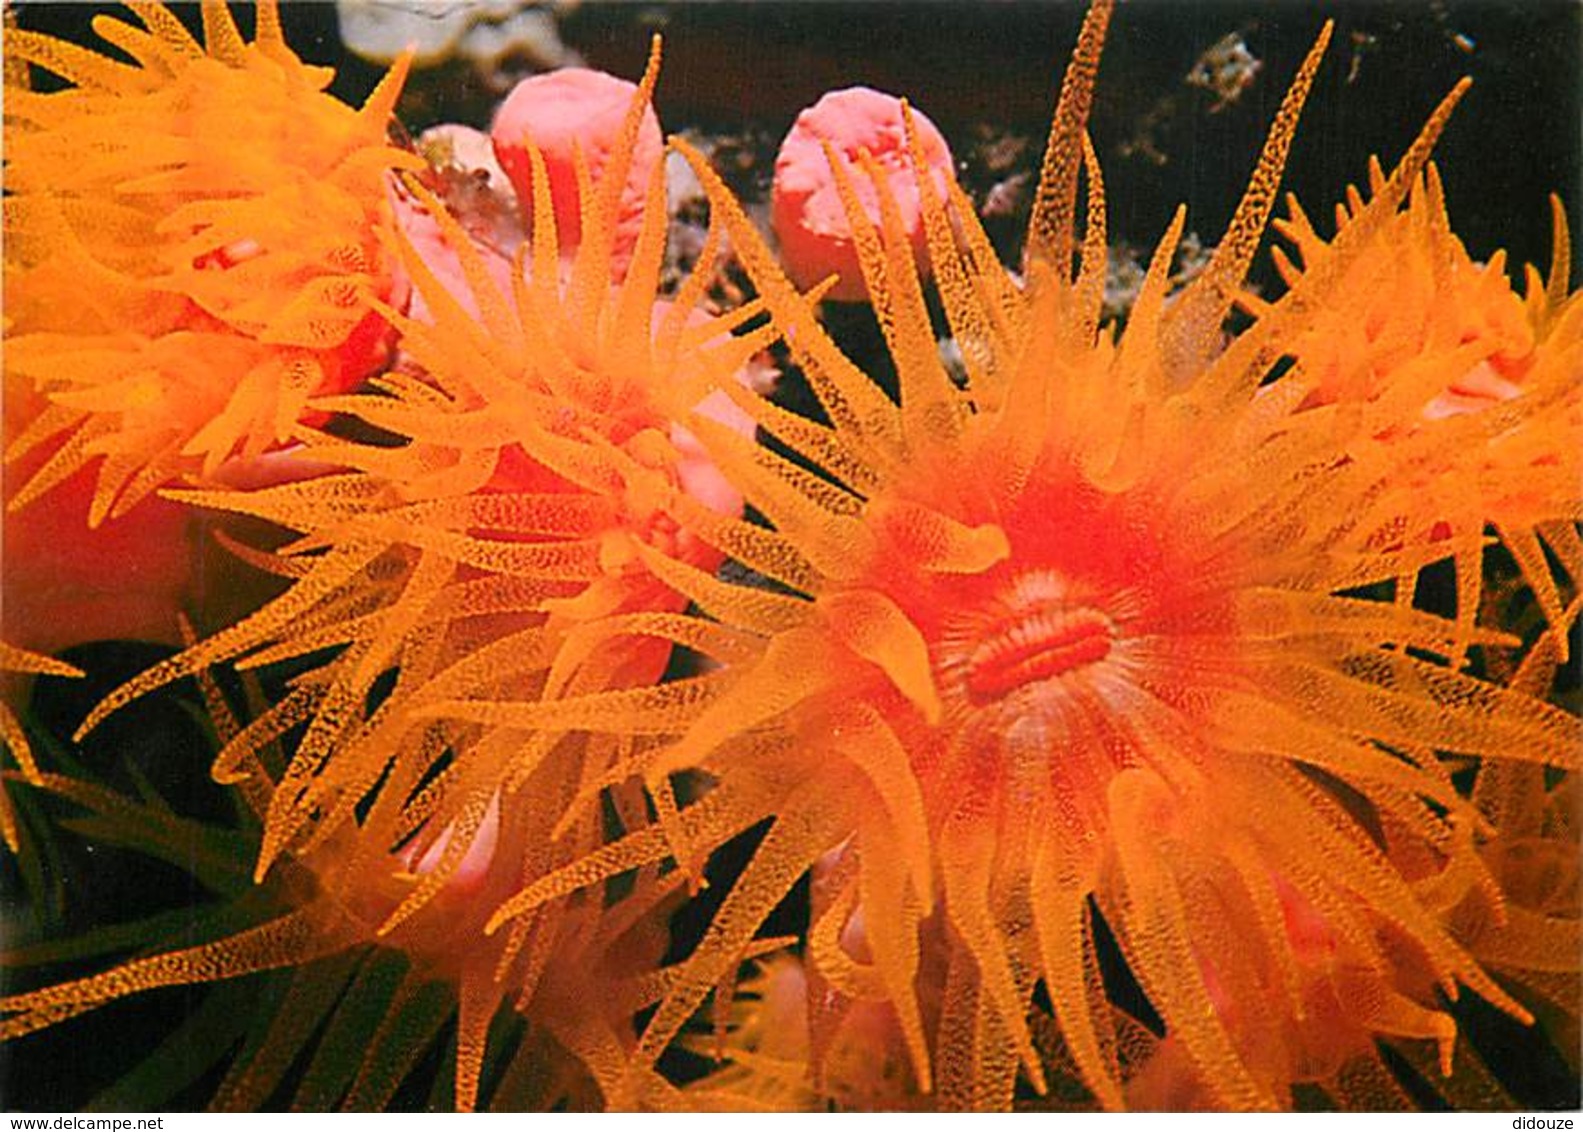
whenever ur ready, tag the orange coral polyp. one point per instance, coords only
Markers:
(383, 995)
(1427, 334)
(1112, 655)
(1155, 544)
(1422, 300)
(137, 207)
(470, 561)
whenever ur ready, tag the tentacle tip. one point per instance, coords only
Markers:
(95, 717)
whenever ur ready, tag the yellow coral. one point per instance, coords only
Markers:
(191, 247)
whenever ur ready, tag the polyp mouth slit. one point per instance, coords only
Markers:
(1040, 645)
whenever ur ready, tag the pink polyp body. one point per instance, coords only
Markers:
(565, 112)
(809, 219)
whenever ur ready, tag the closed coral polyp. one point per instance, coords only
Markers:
(574, 118)
(810, 222)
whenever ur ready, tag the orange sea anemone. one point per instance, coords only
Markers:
(191, 247)
(316, 1006)
(509, 505)
(1430, 331)
(1100, 642)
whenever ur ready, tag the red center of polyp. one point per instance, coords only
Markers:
(1033, 631)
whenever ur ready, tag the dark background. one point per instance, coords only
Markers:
(728, 63)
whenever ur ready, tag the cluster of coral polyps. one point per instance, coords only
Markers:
(1144, 717)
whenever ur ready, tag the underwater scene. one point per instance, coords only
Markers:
(789, 556)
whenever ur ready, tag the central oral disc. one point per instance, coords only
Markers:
(1042, 637)
(1039, 646)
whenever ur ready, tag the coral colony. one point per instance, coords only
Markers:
(1158, 715)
